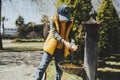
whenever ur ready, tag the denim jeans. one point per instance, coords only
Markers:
(46, 59)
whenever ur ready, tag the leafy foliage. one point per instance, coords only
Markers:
(109, 40)
(44, 19)
(46, 26)
(109, 30)
(19, 23)
(29, 30)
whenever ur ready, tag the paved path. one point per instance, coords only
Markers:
(19, 65)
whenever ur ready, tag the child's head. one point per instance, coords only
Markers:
(64, 13)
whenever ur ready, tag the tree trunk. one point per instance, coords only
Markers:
(1, 47)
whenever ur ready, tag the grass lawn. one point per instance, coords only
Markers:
(23, 46)
(109, 68)
(51, 73)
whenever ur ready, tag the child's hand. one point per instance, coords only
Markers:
(73, 47)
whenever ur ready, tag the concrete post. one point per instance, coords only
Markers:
(90, 52)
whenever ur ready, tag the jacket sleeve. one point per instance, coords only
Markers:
(55, 33)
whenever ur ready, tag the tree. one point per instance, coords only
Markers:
(46, 25)
(19, 23)
(110, 29)
(1, 47)
(29, 30)
(3, 20)
(44, 19)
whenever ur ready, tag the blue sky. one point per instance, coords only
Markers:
(30, 11)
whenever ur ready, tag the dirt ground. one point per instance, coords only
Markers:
(19, 65)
